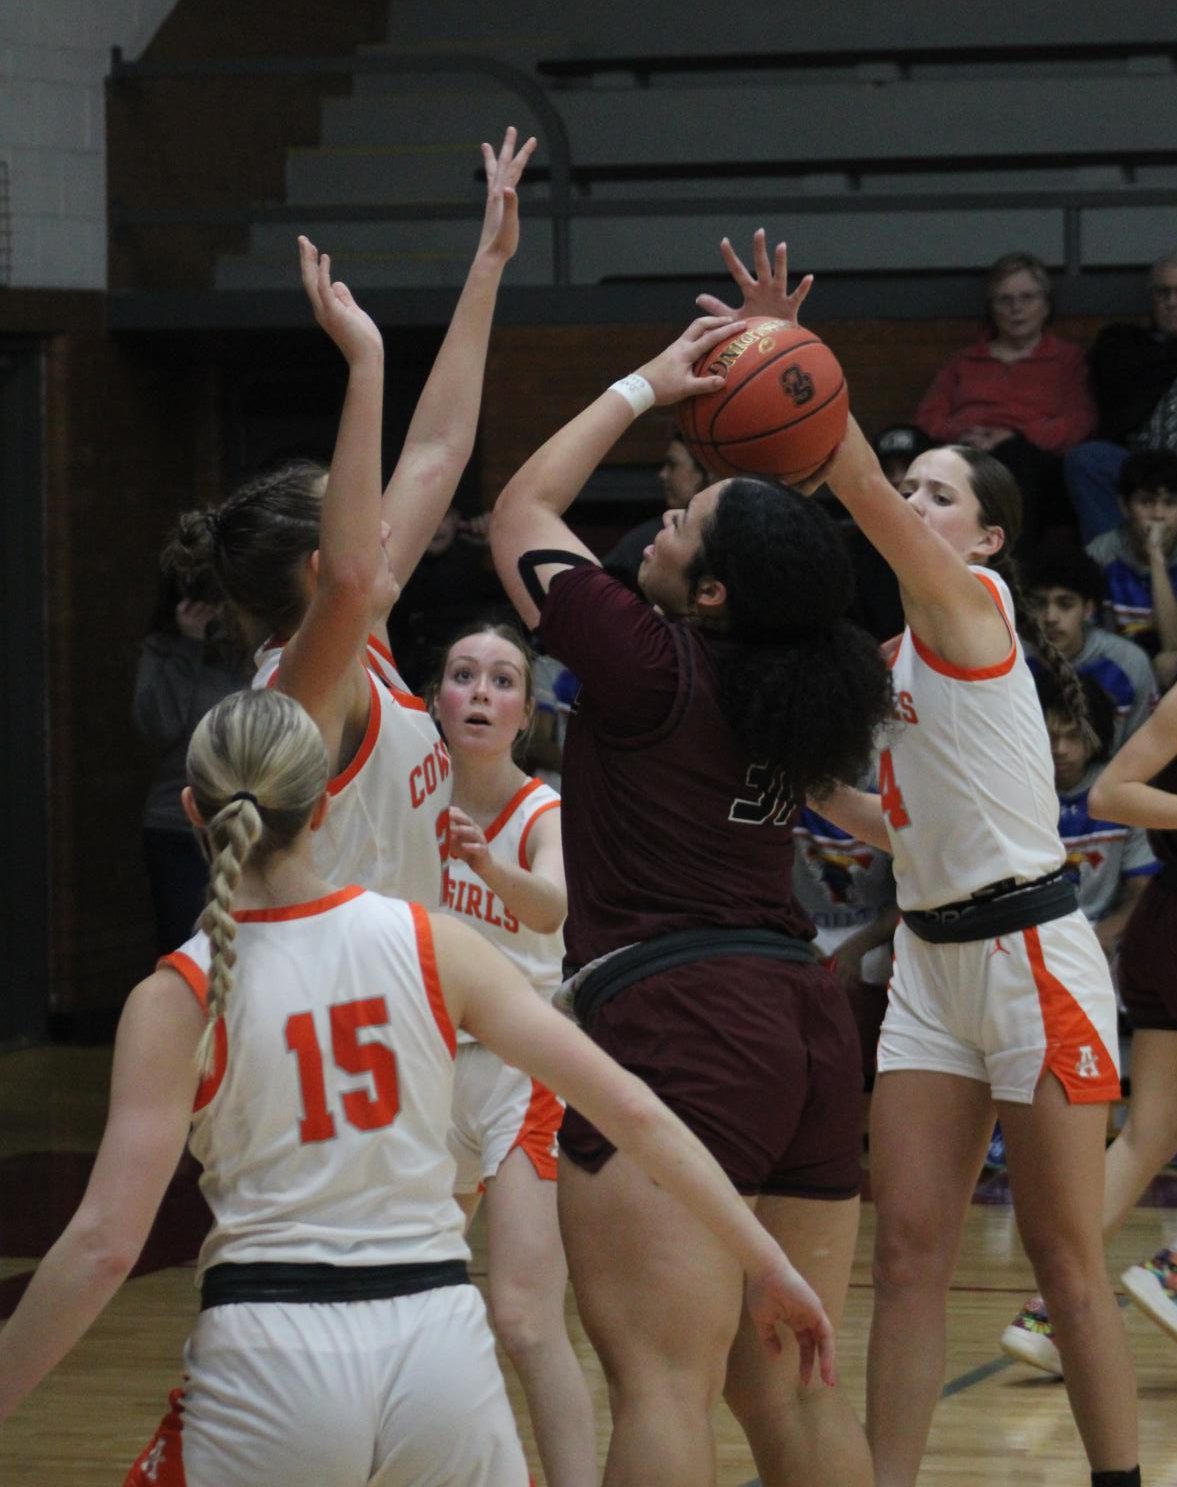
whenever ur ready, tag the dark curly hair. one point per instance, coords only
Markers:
(801, 687)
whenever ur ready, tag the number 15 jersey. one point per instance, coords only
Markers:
(322, 1126)
(966, 782)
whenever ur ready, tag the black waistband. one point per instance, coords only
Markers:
(1167, 877)
(651, 957)
(225, 1284)
(1000, 909)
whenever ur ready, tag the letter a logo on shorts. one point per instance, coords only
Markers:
(153, 1461)
(1088, 1065)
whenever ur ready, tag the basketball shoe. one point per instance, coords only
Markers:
(1153, 1288)
(1030, 1338)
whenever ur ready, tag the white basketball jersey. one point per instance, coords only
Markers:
(322, 1128)
(385, 827)
(465, 895)
(966, 782)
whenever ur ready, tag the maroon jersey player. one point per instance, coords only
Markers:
(698, 723)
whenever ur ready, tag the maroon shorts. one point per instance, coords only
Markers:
(760, 1058)
(1148, 949)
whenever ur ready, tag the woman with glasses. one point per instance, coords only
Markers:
(1019, 392)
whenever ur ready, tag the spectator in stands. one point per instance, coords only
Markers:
(1064, 586)
(1020, 392)
(1139, 559)
(453, 583)
(1110, 864)
(189, 661)
(1134, 378)
(680, 476)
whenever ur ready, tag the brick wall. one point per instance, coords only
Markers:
(538, 377)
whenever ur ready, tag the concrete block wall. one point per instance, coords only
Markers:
(54, 55)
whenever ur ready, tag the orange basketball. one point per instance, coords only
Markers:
(782, 410)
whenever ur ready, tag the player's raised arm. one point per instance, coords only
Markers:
(351, 579)
(440, 439)
(529, 537)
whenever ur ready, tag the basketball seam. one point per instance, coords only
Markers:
(780, 428)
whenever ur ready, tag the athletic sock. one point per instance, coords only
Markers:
(1116, 1479)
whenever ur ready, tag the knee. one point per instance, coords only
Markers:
(1069, 1274)
(523, 1322)
(911, 1254)
(1151, 1127)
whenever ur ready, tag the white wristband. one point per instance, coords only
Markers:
(636, 391)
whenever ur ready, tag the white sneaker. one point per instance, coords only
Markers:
(1030, 1338)
(1153, 1288)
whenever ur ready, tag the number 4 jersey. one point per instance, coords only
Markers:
(967, 783)
(322, 1127)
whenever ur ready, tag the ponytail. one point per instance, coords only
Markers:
(257, 766)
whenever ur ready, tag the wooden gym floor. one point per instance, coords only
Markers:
(999, 1421)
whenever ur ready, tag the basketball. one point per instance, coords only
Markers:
(782, 410)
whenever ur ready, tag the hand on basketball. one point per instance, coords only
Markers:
(467, 840)
(783, 1298)
(353, 330)
(672, 373)
(500, 225)
(851, 464)
(767, 291)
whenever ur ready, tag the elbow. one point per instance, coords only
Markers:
(638, 1116)
(349, 584)
(107, 1255)
(548, 921)
(1099, 801)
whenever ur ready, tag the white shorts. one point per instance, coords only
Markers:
(497, 1108)
(1005, 1011)
(389, 1393)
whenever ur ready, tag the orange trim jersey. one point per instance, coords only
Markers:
(386, 823)
(322, 1128)
(966, 782)
(465, 895)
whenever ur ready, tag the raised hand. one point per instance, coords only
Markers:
(500, 225)
(783, 1298)
(352, 329)
(766, 292)
(671, 373)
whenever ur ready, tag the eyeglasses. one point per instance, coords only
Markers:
(1164, 291)
(1016, 301)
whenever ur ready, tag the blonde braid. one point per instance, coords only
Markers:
(232, 834)
(257, 765)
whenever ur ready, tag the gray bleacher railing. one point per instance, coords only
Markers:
(898, 60)
(562, 209)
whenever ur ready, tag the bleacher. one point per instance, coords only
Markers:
(881, 154)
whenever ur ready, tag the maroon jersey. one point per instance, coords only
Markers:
(668, 824)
